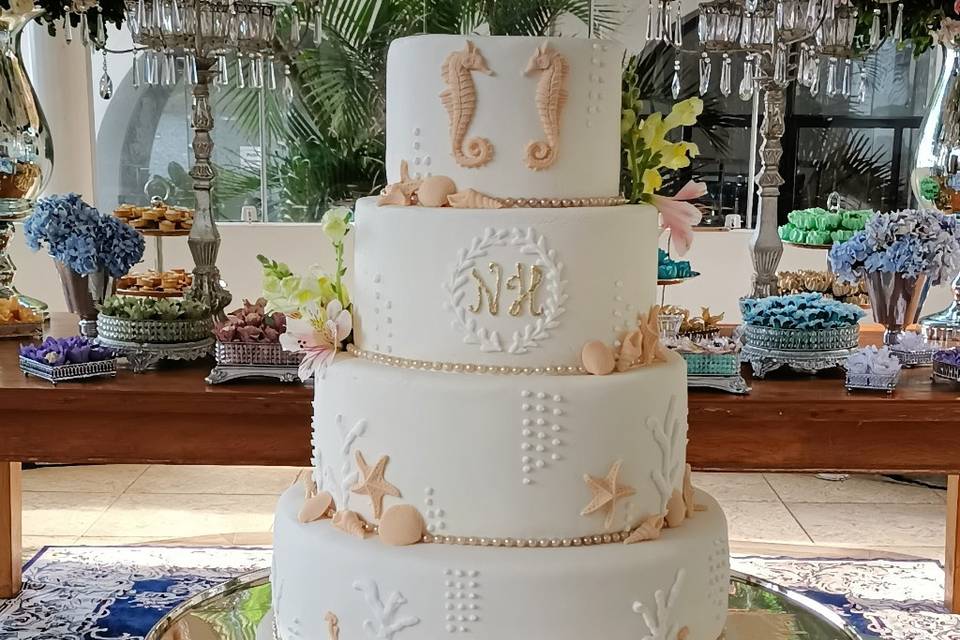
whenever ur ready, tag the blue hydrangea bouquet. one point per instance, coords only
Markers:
(88, 248)
(899, 255)
(80, 237)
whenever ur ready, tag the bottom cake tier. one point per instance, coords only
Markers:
(328, 585)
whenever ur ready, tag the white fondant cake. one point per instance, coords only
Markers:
(421, 269)
(505, 113)
(500, 594)
(469, 475)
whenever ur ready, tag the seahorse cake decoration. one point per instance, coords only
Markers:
(551, 98)
(460, 101)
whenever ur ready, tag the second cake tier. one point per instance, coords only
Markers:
(518, 288)
(503, 456)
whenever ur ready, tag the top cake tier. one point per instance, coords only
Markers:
(512, 117)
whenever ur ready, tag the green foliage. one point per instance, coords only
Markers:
(165, 309)
(920, 19)
(329, 145)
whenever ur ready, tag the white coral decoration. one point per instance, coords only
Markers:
(340, 487)
(386, 619)
(658, 623)
(669, 437)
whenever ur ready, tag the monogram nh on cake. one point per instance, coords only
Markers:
(473, 472)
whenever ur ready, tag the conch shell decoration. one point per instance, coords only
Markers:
(401, 193)
(460, 101)
(473, 199)
(649, 529)
(642, 347)
(551, 98)
(350, 522)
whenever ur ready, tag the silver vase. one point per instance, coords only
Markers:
(83, 294)
(935, 179)
(896, 300)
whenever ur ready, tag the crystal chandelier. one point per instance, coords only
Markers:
(240, 43)
(784, 41)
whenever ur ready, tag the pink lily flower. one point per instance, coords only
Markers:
(680, 216)
(318, 338)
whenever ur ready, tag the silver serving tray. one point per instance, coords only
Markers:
(164, 332)
(69, 372)
(872, 382)
(914, 358)
(771, 339)
(247, 354)
(948, 372)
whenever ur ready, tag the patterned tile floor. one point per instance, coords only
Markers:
(130, 504)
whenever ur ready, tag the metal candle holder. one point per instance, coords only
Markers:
(204, 33)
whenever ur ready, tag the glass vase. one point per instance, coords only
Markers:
(84, 294)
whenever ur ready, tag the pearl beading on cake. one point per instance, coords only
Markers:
(456, 367)
(559, 203)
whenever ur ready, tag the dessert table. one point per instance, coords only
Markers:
(172, 416)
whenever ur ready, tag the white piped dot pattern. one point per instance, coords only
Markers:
(539, 435)
(719, 579)
(382, 329)
(460, 606)
(435, 516)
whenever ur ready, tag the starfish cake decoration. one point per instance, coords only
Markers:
(606, 492)
(374, 484)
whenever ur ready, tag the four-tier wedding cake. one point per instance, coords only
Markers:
(472, 474)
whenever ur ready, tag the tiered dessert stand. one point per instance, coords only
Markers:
(810, 352)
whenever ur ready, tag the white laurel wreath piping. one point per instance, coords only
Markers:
(530, 243)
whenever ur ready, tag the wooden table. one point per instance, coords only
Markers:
(173, 417)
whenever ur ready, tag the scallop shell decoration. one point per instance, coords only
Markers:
(401, 525)
(473, 199)
(434, 191)
(350, 522)
(598, 358)
(316, 507)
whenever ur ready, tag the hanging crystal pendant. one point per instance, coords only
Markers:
(780, 66)
(106, 83)
(829, 10)
(223, 71)
(778, 12)
(176, 21)
(241, 78)
(84, 30)
(678, 29)
(814, 80)
(675, 84)
(157, 16)
(658, 19)
(650, 12)
(832, 78)
(317, 24)
(898, 26)
(294, 25)
(256, 66)
(705, 69)
(803, 64)
(746, 29)
(862, 93)
(100, 39)
(67, 26)
(271, 83)
(287, 85)
(746, 83)
(813, 14)
(751, 5)
(875, 35)
(725, 71)
(148, 67)
(846, 88)
(190, 67)
(135, 78)
(171, 68)
(143, 17)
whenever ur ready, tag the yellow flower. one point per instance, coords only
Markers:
(627, 121)
(651, 180)
(674, 156)
(684, 114)
(652, 131)
(336, 223)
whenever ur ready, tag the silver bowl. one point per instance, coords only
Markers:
(772, 339)
(153, 331)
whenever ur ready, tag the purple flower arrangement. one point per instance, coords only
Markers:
(55, 352)
(801, 311)
(252, 323)
(908, 242)
(949, 357)
(81, 237)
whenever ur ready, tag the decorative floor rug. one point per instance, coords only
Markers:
(119, 593)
